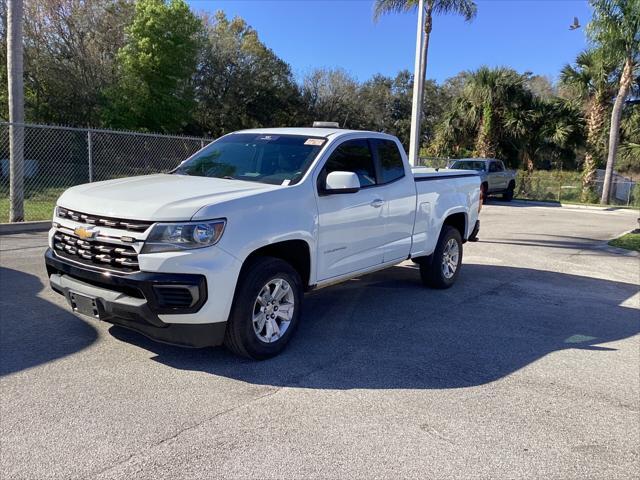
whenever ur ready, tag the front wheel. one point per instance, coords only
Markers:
(443, 269)
(265, 310)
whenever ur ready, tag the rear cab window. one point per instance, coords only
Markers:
(391, 165)
(478, 165)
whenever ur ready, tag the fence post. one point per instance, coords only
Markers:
(90, 155)
(15, 84)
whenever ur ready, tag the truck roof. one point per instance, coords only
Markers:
(307, 132)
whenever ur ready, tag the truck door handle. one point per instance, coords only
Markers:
(377, 203)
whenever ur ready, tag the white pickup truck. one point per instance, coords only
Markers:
(222, 249)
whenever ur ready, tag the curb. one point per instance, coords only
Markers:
(537, 203)
(23, 227)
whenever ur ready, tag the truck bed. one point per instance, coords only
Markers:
(426, 173)
(437, 200)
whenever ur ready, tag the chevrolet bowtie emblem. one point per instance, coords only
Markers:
(85, 233)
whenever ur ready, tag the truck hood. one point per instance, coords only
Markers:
(156, 197)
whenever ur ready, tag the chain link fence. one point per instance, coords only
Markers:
(567, 187)
(56, 158)
(562, 186)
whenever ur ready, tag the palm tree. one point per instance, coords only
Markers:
(477, 117)
(541, 129)
(466, 8)
(487, 99)
(592, 78)
(616, 29)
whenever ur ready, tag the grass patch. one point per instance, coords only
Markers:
(38, 206)
(628, 241)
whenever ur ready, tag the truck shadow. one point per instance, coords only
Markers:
(34, 330)
(385, 331)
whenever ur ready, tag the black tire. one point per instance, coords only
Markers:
(484, 192)
(507, 196)
(240, 337)
(431, 273)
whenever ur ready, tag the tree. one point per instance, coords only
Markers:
(156, 66)
(591, 78)
(332, 95)
(629, 152)
(69, 54)
(465, 8)
(616, 29)
(494, 112)
(240, 82)
(385, 105)
(543, 130)
(477, 118)
(541, 86)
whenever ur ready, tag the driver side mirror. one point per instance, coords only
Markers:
(341, 182)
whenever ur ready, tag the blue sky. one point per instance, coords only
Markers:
(523, 34)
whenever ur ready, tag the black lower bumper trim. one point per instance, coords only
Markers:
(184, 335)
(140, 284)
(129, 301)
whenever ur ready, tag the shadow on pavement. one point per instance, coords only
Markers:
(524, 203)
(33, 330)
(385, 331)
(521, 203)
(573, 243)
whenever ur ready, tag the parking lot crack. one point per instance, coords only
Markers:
(187, 428)
(436, 434)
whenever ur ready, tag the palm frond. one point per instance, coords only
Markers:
(382, 7)
(465, 8)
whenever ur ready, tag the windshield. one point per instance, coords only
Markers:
(265, 158)
(469, 165)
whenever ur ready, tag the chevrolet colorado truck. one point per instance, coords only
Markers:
(494, 178)
(222, 249)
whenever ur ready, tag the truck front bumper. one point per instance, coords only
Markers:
(140, 301)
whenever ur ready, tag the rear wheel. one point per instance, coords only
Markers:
(266, 309)
(444, 267)
(507, 196)
(484, 191)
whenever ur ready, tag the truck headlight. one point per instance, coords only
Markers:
(170, 237)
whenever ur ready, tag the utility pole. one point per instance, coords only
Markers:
(16, 110)
(418, 89)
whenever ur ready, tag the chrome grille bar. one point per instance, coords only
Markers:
(122, 224)
(122, 258)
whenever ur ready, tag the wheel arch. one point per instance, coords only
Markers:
(457, 220)
(296, 253)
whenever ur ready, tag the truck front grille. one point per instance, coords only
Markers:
(130, 225)
(121, 258)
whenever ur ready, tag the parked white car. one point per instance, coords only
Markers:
(222, 249)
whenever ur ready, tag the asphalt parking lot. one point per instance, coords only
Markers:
(529, 367)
